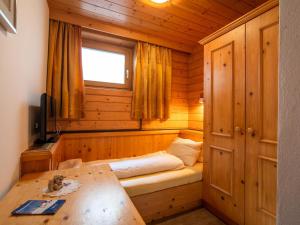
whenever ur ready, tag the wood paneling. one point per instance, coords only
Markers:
(191, 134)
(221, 169)
(262, 118)
(112, 145)
(160, 204)
(104, 109)
(224, 139)
(241, 20)
(179, 23)
(222, 88)
(195, 89)
(110, 109)
(108, 28)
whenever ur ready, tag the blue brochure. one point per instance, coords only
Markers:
(39, 207)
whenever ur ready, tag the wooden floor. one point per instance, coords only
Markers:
(196, 217)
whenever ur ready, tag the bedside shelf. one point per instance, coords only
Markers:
(43, 158)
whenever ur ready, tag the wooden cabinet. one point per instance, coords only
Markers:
(240, 123)
(39, 160)
(262, 42)
(224, 120)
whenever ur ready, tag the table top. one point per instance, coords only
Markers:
(100, 200)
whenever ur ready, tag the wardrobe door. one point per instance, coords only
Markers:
(261, 118)
(224, 141)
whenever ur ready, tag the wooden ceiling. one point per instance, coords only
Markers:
(181, 21)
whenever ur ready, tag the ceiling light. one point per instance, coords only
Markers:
(159, 1)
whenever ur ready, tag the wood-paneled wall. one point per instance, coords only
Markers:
(112, 145)
(110, 109)
(104, 109)
(195, 89)
(102, 145)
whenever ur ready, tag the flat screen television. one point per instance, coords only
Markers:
(48, 131)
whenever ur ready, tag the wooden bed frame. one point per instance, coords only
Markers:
(168, 202)
(171, 201)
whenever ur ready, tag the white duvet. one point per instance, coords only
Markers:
(142, 165)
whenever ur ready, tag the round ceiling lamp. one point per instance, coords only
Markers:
(159, 1)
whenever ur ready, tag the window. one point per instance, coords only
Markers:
(106, 65)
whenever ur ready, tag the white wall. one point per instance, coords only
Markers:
(289, 114)
(23, 59)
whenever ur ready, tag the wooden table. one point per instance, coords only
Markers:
(100, 200)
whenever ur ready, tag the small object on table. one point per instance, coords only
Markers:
(59, 186)
(56, 183)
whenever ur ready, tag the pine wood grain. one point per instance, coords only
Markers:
(241, 20)
(240, 169)
(195, 89)
(178, 25)
(160, 204)
(224, 145)
(112, 145)
(38, 160)
(100, 200)
(262, 118)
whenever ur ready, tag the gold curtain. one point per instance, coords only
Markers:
(64, 79)
(152, 82)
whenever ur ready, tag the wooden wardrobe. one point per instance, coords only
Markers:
(240, 123)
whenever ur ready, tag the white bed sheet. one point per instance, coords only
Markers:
(159, 181)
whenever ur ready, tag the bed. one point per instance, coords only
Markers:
(160, 194)
(167, 193)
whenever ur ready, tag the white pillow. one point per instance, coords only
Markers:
(148, 164)
(193, 144)
(185, 149)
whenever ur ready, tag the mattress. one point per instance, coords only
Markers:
(144, 184)
(163, 180)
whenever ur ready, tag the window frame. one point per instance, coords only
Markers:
(102, 46)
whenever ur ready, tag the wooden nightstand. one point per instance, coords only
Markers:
(42, 159)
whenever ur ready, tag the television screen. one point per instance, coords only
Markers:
(48, 118)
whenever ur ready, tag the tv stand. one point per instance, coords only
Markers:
(42, 157)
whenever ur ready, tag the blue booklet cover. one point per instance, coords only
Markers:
(39, 207)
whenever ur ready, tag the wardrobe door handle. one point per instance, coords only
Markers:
(251, 131)
(237, 129)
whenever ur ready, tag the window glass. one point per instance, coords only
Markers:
(103, 66)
